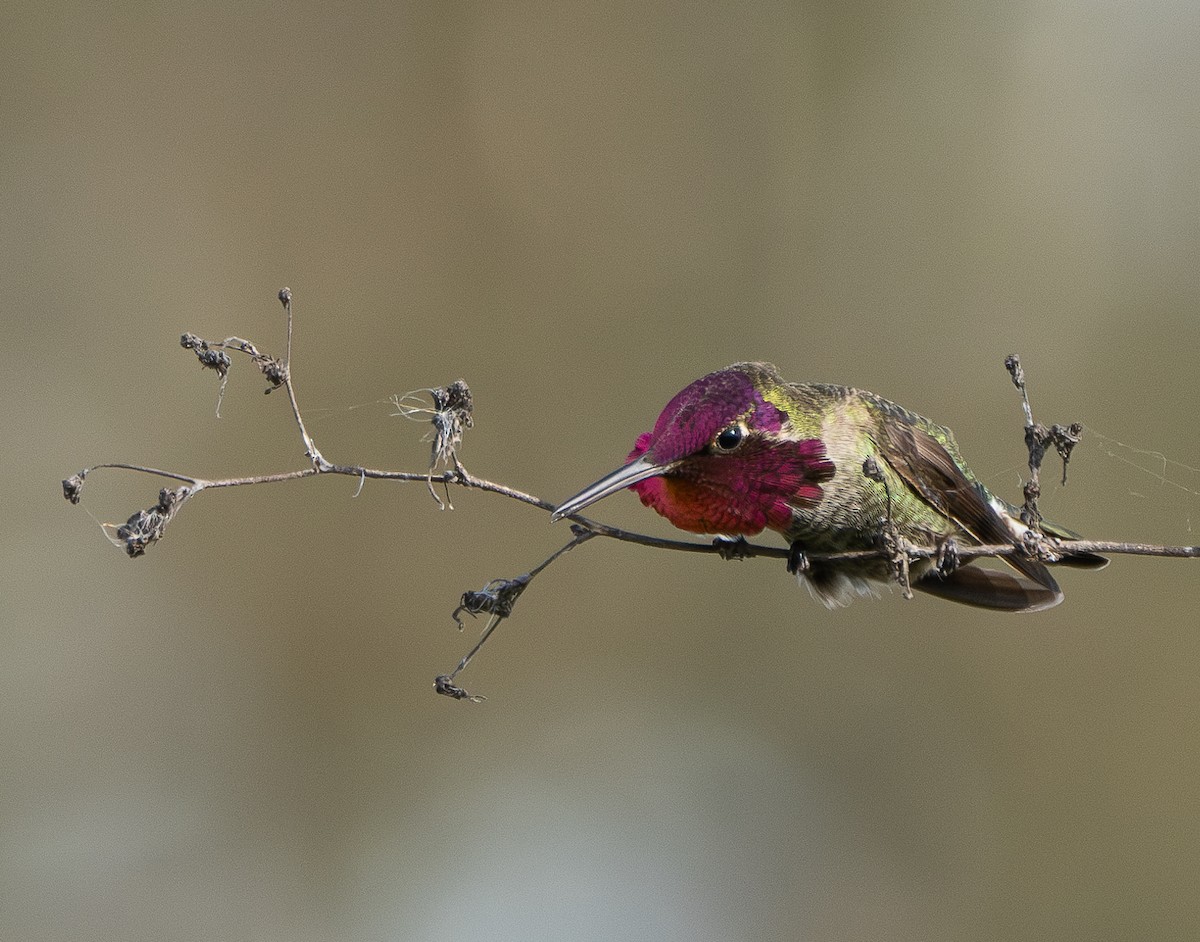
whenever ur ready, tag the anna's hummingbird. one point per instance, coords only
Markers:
(740, 450)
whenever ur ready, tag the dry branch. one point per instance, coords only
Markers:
(450, 415)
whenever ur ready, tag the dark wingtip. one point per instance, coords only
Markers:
(996, 589)
(1084, 561)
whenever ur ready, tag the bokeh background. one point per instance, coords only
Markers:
(579, 208)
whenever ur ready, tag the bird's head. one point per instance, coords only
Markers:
(722, 458)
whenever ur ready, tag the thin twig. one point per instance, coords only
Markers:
(1038, 438)
(893, 543)
(310, 447)
(460, 477)
(497, 599)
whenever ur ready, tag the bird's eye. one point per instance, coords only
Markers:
(730, 438)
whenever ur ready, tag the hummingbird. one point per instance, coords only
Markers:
(830, 469)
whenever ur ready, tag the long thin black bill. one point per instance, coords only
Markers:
(637, 470)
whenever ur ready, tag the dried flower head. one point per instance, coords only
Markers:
(449, 411)
(209, 356)
(146, 527)
(496, 598)
(73, 487)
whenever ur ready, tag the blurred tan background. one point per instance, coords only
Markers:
(579, 208)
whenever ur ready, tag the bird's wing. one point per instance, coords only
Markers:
(921, 458)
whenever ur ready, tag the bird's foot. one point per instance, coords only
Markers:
(947, 556)
(1037, 545)
(798, 563)
(732, 547)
